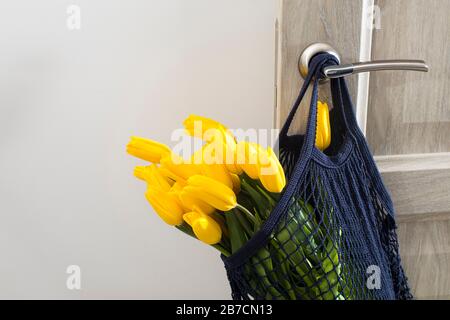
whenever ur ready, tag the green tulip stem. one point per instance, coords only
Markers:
(247, 213)
(222, 250)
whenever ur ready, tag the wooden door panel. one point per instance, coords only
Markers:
(301, 23)
(418, 184)
(409, 112)
(425, 251)
(406, 119)
(408, 129)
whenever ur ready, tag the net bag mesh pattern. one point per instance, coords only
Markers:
(334, 225)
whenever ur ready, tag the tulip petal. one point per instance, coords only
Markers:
(323, 130)
(175, 166)
(211, 191)
(272, 175)
(219, 202)
(205, 228)
(147, 149)
(236, 183)
(192, 203)
(165, 205)
(247, 158)
(197, 126)
(219, 173)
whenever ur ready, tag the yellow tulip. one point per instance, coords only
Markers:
(225, 147)
(272, 175)
(323, 129)
(169, 174)
(152, 175)
(210, 153)
(210, 166)
(248, 155)
(175, 168)
(219, 173)
(261, 164)
(146, 149)
(191, 203)
(188, 202)
(177, 187)
(141, 172)
(236, 183)
(197, 126)
(211, 191)
(219, 138)
(205, 228)
(166, 205)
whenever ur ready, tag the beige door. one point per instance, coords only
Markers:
(405, 115)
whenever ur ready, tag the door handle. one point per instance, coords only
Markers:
(342, 70)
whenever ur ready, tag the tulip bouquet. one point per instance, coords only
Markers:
(215, 189)
(223, 194)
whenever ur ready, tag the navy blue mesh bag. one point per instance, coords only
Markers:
(332, 235)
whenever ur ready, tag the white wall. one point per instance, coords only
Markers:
(69, 100)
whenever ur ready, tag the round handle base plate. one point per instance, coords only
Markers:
(312, 50)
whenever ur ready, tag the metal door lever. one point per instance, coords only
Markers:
(341, 70)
